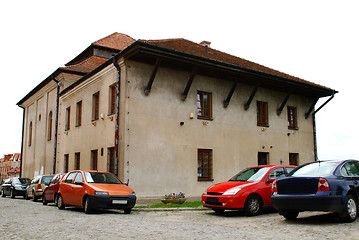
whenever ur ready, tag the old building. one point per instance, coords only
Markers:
(10, 166)
(167, 115)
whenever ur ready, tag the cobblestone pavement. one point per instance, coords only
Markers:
(21, 219)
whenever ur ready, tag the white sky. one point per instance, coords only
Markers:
(314, 40)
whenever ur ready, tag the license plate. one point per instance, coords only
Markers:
(119, 201)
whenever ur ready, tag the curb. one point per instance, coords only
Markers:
(169, 209)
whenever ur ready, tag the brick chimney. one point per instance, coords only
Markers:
(205, 43)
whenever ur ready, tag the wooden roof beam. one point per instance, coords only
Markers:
(311, 108)
(285, 100)
(248, 103)
(189, 83)
(230, 94)
(153, 75)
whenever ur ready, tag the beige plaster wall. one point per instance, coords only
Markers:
(161, 156)
(91, 135)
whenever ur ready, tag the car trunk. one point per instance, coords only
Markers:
(298, 185)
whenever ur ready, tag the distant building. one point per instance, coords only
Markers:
(166, 115)
(10, 166)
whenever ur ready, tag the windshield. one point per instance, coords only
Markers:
(315, 169)
(101, 177)
(46, 180)
(251, 174)
(21, 181)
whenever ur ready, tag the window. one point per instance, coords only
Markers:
(95, 105)
(293, 159)
(263, 158)
(67, 123)
(49, 127)
(277, 173)
(292, 118)
(77, 161)
(111, 160)
(262, 114)
(112, 100)
(78, 178)
(78, 113)
(204, 165)
(70, 177)
(94, 157)
(204, 105)
(30, 134)
(66, 163)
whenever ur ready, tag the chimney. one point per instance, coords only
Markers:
(205, 43)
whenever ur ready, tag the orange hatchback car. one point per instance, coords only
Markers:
(95, 190)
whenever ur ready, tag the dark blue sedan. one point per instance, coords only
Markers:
(331, 186)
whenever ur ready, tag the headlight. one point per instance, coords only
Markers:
(231, 191)
(132, 194)
(101, 193)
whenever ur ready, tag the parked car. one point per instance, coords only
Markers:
(319, 186)
(95, 190)
(249, 190)
(15, 187)
(50, 192)
(37, 186)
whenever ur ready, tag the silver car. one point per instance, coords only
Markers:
(37, 186)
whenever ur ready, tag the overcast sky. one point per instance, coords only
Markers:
(315, 40)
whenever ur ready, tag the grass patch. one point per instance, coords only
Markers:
(194, 204)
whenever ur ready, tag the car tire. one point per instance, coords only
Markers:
(127, 210)
(44, 202)
(290, 215)
(34, 198)
(26, 196)
(55, 199)
(60, 202)
(351, 210)
(3, 194)
(88, 209)
(12, 193)
(253, 205)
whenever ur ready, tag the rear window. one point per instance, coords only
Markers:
(315, 169)
(46, 179)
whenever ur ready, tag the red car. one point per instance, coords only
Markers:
(95, 190)
(50, 192)
(249, 190)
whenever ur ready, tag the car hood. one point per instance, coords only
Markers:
(224, 186)
(112, 189)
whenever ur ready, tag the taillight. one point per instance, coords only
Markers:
(323, 185)
(39, 186)
(274, 187)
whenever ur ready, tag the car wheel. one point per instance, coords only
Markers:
(26, 196)
(60, 202)
(290, 215)
(12, 193)
(253, 205)
(3, 194)
(351, 210)
(88, 208)
(34, 198)
(44, 202)
(127, 210)
(55, 199)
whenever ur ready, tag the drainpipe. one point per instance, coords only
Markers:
(315, 128)
(22, 139)
(117, 112)
(56, 122)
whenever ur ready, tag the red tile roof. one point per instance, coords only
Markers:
(184, 45)
(87, 65)
(115, 40)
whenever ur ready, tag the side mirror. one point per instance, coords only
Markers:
(270, 180)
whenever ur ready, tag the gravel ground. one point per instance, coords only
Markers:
(21, 219)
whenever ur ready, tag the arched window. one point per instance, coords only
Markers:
(30, 134)
(49, 127)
